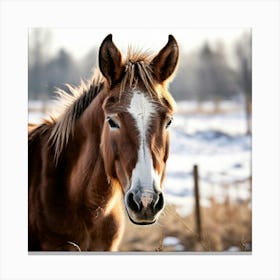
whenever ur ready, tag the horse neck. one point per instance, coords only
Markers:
(88, 182)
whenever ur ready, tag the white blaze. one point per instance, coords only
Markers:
(142, 109)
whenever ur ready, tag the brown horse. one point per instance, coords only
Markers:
(109, 145)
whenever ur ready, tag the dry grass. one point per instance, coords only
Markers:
(223, 226)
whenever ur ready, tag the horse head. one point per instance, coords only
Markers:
(138, 111)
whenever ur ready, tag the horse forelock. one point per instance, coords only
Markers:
(138, 71)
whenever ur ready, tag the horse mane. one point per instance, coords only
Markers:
(74, 103)
(71, 106)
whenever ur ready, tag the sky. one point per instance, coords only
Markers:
(80, 41)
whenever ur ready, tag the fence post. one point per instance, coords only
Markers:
(197, 202)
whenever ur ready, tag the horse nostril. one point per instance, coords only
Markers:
(159, 203)
(146, 202)
(132, 204)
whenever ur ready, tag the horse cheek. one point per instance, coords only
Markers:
(108, 154)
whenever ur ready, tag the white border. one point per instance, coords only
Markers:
(18, 16)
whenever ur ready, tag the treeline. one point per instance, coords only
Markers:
(204, 74)
(45, 77)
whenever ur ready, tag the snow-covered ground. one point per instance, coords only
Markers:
(216, 143)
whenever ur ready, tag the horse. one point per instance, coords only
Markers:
(104, 156)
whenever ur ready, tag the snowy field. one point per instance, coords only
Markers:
(217, 143)
(219, 146)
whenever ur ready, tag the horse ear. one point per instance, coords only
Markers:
(165, 62)
(110, 61)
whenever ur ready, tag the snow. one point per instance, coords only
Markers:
(35, 117)
(217, 143)
(170, 241)
(234, 249)
(174, 242)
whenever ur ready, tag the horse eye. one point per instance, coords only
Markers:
(112, 123)
(168, 123)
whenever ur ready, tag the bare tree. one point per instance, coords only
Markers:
(39, 41)
(215, 79)
(244, 58)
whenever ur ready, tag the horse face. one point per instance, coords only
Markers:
(135, 139)
(135, 145)
(144, 198)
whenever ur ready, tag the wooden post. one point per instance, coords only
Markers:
(197, 204)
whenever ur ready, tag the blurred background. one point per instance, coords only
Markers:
(208, 183)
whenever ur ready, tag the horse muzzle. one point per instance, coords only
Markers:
(143, 206)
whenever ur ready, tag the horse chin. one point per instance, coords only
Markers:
(140, 222)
